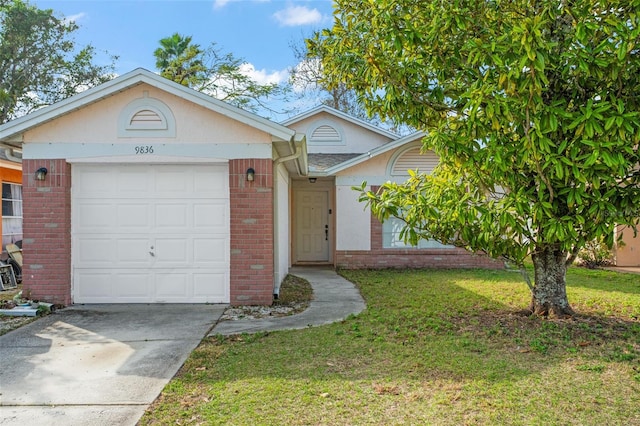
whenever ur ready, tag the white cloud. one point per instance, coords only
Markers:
(74, 18)
(219, 4)
(294, 16)
(263, 76)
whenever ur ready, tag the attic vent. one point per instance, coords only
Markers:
(412, 159)
(146, 118)
(326, 133)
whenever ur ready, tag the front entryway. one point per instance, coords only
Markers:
(312, 226)
(145, 233)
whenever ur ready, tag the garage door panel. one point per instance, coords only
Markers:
(92, 185)
(174, 183)
(206, 251)
(211, 183)
(96, 215)
(98, 286)
(96, 251)
(171, 216)
(132, 286)
(172, 286)
(132, 182)
(155, 233)
(133, 251)
(172, 250)
(132, 216)
(209, 286)
(211, 216)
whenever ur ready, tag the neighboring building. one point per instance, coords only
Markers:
(155, 193)
(11, 180)
(628, 252)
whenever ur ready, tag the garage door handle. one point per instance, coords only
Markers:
(151, 252)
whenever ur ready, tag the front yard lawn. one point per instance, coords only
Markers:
(433, 347)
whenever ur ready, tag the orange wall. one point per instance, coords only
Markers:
(9, 176)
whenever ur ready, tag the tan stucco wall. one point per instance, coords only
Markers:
(628, 253)
(98, 123)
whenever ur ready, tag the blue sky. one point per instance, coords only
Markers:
(259, 31)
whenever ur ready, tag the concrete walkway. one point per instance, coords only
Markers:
(334, 299)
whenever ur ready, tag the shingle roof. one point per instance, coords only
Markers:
(321, 162)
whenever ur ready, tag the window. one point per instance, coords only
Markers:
(11, 213)
(391, 237)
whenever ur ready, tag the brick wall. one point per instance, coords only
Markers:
(251, 232)
(379, 257)
(47, 231)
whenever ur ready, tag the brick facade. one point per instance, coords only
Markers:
(251, 232)
(381, 258)
(47, 231)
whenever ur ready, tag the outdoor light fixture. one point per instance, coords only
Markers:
(313, 180)
(250, 174)
(41, 173)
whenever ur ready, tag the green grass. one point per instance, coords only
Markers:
(432, 347)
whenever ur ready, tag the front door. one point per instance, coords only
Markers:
(312, 226)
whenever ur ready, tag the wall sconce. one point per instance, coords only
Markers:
(41, 173)
(250, 174)
(313, 180)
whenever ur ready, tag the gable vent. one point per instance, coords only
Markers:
(414, 160)
(326, 133)
(147, 119)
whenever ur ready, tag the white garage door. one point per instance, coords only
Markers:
(150, 233)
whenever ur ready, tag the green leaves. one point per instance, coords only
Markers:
(536, 99)
(39, 62)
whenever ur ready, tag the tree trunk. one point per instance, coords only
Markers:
(550, 288)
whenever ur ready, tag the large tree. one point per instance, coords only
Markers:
(39, 62)
(307, 77)
(532, 106)
(215, 73)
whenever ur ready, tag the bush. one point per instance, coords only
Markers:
(595, 255)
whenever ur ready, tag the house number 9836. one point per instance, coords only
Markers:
(144, 149)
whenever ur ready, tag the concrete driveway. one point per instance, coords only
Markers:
(96, 364)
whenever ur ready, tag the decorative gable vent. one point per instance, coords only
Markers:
(326, 134)
(412, 159)
(146, 118)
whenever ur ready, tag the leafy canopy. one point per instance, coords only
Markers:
(39, 62)
(533, 108)
(213, 72)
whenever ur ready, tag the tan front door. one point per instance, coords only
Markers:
(312, 226)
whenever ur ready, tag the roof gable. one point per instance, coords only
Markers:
(11, 131)
(341, 116)
(409, 139)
